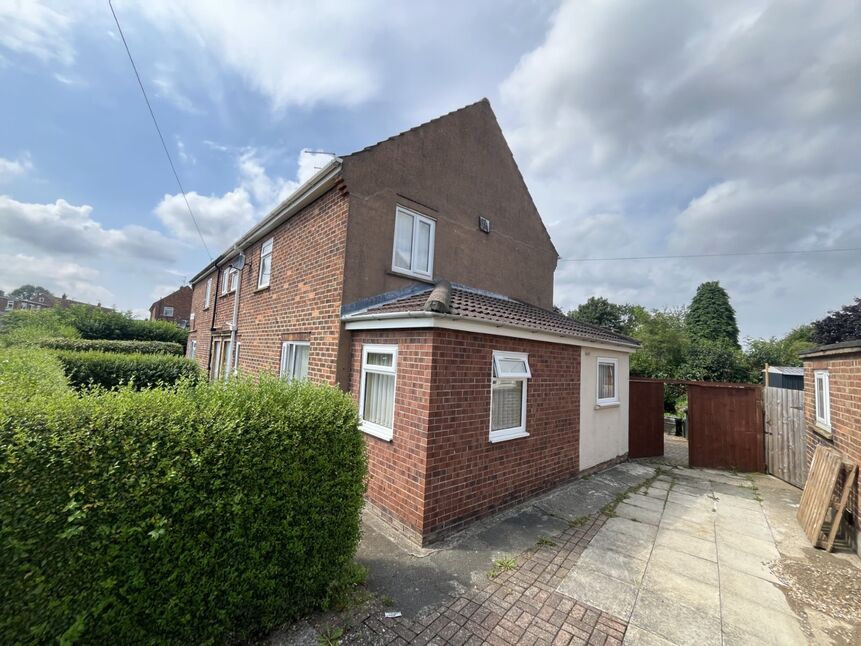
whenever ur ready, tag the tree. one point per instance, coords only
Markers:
(842, 325)
(714, 360)
(778, 352)
(597, 310)
(664, 340)
(711, 316)
(28, 291)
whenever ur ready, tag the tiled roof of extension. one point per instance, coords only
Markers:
(478, 305)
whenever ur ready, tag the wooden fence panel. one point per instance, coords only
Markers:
(725, 427)
(785, 434)
(646, 419)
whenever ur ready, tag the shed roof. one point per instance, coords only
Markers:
(790, 371)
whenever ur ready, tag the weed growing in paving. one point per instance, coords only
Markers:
(544, 541)
(610, 508)
(331, 637)
(500, 566)
(577, 522)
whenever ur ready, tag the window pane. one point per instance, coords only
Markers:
(422, 262)
(380, 359)
(266, 248)
(606, 381)
(403, 240)
(507, 405)
(265, 266)
(820, 397)
(379, 399)
(512, 366)
(300, 362)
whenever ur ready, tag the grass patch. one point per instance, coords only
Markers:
(502, 565)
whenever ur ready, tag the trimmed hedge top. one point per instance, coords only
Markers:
(112, 369)
(110, 345)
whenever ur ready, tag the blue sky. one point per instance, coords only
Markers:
(641, 129)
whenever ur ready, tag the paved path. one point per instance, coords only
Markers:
(685, 562)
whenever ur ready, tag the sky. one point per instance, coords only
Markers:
(642, 128)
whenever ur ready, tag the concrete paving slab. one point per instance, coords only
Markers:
(661, 483)
(702, 503)
(763, 623)
(627, 526)
(743, 562)
(739, 584)
(705, 530)
(743, 516)
(747, 493)
(688, 490)
(758, 530)
(647, 502)
(688, 513)
(685, 564)
(638, 514)
(636, 636)
(618, 565)
(675, 622)
(725, 500)
(637, 546)
(686, 543)
(597, 589)
(735, 636)
(687, 590)
(756, 546)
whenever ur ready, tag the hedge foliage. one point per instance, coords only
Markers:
(93, 323)
(108, 345)
(29, 327)
(112, 369)
(26, 373)
(205, 513)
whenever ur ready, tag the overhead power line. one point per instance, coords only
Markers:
(158, 130)
(714, 255)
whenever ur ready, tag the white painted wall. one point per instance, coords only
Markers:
(603, 430)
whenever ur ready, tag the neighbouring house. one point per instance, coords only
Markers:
(417, 275)
(174, 308)
(40, 301)
(832, 408)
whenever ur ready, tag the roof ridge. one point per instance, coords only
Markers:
(414, 128)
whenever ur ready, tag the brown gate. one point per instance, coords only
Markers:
(646, 419)
(725, 426)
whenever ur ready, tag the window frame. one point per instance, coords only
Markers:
(416, 217)
(207, 295)
(192, 349)
(607, 401)
(515, 432)
(229, 280)
(823, 421)
(164, 310)
(264, 254)
(372, 428)
(287, 372)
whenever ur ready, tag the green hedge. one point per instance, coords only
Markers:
(108, 345)
(26, 372)
(93, 323)
(111, 369)
(199, 514)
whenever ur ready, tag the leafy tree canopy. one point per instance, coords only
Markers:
(711, 316)
(839, 326)
(28, 291)
(778, 352)
(601, 312)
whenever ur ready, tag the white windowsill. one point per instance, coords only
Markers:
(380, 432)
(397, 271)
(823, 430)
(601, 405)
(504, 436)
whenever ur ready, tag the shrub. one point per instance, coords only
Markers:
(111, 369)
(94, 323)
(29, 327)
(27, 372)
(107, 345)
(200, 514)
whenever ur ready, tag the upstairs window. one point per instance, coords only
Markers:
(509, 375)
(294, 359)
(208, 294)
(265, 264)
(822, 398)
(192, 351)
(229, 280)
(414, 242)
(167, 311)
(377, 396)
(608, 381)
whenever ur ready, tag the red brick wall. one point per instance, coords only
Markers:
(303, 300)
(844, 381)
(440, 470)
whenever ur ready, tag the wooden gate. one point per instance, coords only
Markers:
(646, 419)
(785, 434)
(725, 426)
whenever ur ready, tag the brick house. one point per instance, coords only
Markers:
(41, 301)
(417, 275)
(832, 408)
(174, 308)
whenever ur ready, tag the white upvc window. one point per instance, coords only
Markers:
(167, 311)
(265, 264)
(10, 305)
(208, 294)
(377, 392)
(414, 243)
(607, 381)
(294, 359)
(192, 350)
(229, 280)
(822, 399)
(509, 375)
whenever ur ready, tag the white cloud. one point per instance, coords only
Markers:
(701, 128)
(65, 229)
(15, 167)
(167, 88)
(77, 281)
(33, 28)
(183, 152)
(160, 291)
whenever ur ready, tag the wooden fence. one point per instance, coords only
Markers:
(785, 434)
